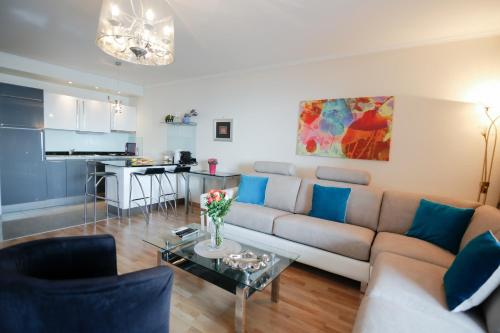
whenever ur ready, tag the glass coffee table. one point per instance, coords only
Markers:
(180, 253)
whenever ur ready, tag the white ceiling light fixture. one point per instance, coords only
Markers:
(137, 31)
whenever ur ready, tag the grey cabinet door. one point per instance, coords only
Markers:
(56, 179)
(21, 106)
(22, 166)
(75, 177)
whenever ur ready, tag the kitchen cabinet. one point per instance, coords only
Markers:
(22, 166)
(75, 177)
(126, 120)
(94, 116)
(61, 112)
(76, 114)
(56, 179)
(21, 106)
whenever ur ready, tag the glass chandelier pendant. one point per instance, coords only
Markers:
(137, 31)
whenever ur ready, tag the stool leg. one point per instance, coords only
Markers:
(130, 196)
(161, 195)
(95, 198)
(118, 197)
(86, 198)
(145, 211)
(174, 206)
(150, 194)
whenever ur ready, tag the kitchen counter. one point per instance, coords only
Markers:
(88, 157)
(127, 163)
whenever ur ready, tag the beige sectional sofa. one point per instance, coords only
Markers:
(341, 248)
(405, 292)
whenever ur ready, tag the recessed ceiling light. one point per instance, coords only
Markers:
(119, 92)
(96, 87)
(70, 82)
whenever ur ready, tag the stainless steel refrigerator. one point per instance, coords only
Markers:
(22, 153)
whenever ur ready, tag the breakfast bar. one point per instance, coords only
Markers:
(123, 170)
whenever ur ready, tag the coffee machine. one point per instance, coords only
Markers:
(184, 157)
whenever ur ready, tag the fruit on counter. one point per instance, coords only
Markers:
(141, 161)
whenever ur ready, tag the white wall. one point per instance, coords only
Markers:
(436, 145)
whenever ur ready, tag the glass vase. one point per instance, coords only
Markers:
(216, 233)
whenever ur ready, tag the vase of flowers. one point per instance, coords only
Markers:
(212, 165)
(218, 204)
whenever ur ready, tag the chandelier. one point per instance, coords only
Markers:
(137, 31)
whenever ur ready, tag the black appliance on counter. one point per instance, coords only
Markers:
(22, 153)
(186, 158)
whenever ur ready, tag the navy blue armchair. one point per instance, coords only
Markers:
(70, 284)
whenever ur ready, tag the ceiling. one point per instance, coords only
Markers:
(219, 36)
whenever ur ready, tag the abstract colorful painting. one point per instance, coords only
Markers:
(357, 128)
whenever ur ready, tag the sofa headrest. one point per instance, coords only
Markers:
(343, 175)
(279, 168)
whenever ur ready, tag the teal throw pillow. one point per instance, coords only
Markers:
(330, 203)
(474, 274)
(252, 190)
(440, 224)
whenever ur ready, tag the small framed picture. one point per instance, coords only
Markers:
(223, 130)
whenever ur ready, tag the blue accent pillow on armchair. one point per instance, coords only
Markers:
(474, 274)
(440, 224)
(330, 203)
(252, 190)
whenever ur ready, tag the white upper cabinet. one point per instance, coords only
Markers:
(124, 121)
(76, 114)
(60, 111)
(94, 116)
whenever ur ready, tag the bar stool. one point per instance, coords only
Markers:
(155, 173)
(97, 177)
(170, 195)
(180, 170)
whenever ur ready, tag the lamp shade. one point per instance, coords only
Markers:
(137, 31)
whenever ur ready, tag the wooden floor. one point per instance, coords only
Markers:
(310, 300)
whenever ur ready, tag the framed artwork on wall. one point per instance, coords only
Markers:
(354, 128)
(223, 130)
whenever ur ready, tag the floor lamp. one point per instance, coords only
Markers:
(490, 135)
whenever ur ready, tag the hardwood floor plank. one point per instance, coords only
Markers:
(311, 300)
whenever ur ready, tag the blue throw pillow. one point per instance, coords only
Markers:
(252, 189)
(474, 274)
(329, 203)
(440, 224)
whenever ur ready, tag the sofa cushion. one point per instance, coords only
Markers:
(252, 189)
(474, 274)
(343, 175)
(485, 218)
(406, 295)
(279, 168)
(281, 192)
(440, 224)
(362, 209)
(329, 203)
(253, 217)
(411, 248)
(345, 239)
(399, 208)
(491, 309)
